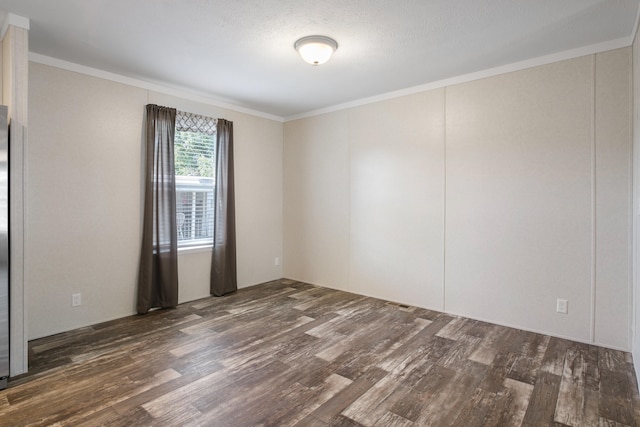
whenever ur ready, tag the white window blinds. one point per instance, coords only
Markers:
(194, 157)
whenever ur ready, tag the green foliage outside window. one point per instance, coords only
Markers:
(194, 154)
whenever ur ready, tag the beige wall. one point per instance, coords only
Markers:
(316, 186)
(15, 78)
(397, 152)
(636, 207)
(84, 199)
(519, 198)
(613, 208)
(489, 199)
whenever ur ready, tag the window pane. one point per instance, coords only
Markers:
(194, 154)
(194, 168)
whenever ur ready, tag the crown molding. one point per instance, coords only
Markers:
(491, 72)
(16, 21)
(634, 33)
(118, 78)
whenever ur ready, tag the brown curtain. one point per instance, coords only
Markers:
(223, 265)
(158, 276)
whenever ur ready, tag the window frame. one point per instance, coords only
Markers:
(206, 126)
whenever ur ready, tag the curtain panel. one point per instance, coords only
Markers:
(223, 266)
(158, 273)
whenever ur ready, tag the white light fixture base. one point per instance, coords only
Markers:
(316, 50)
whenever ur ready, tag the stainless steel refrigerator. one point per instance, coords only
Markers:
(4, 247)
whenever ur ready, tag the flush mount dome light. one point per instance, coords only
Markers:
(316, 50)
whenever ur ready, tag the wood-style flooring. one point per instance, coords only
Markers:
(286, 353)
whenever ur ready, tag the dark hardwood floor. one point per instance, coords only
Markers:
(287, 353)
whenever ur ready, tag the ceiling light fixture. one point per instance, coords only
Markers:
(316, 50)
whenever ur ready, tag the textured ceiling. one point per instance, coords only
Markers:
(241, 51)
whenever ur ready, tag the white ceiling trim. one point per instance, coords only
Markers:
(534, 62)
(118, 78)
(16, 21)
(635, 27)
(491, 72)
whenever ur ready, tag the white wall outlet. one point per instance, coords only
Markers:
(277, 261)
(562, 306)
(76, 300)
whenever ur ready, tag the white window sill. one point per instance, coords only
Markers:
(195, 249)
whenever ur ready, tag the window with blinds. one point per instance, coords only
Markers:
(194, 157)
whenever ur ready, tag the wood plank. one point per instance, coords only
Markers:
(553, 361)
(334, 406)
(496, 374)
(414, 343)
(373, 405)
(519, 395)
(430, 385)
(492, 340)
(525, 367)
(448, 403)
(458, 354)
(292, 406)
(542, 404)
(617, 398)
(603, 422)
(289, 353)
(474, 413)
(389, 419)
(577, 400)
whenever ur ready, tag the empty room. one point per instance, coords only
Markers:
(319, 213)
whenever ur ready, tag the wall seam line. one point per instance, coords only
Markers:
(350, 206)
(592, 328)
(630, 316)
(444, 202)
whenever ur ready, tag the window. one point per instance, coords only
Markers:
(194, 157)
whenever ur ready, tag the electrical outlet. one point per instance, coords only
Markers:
(277, 261)
(562, 306)
(76, 300)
